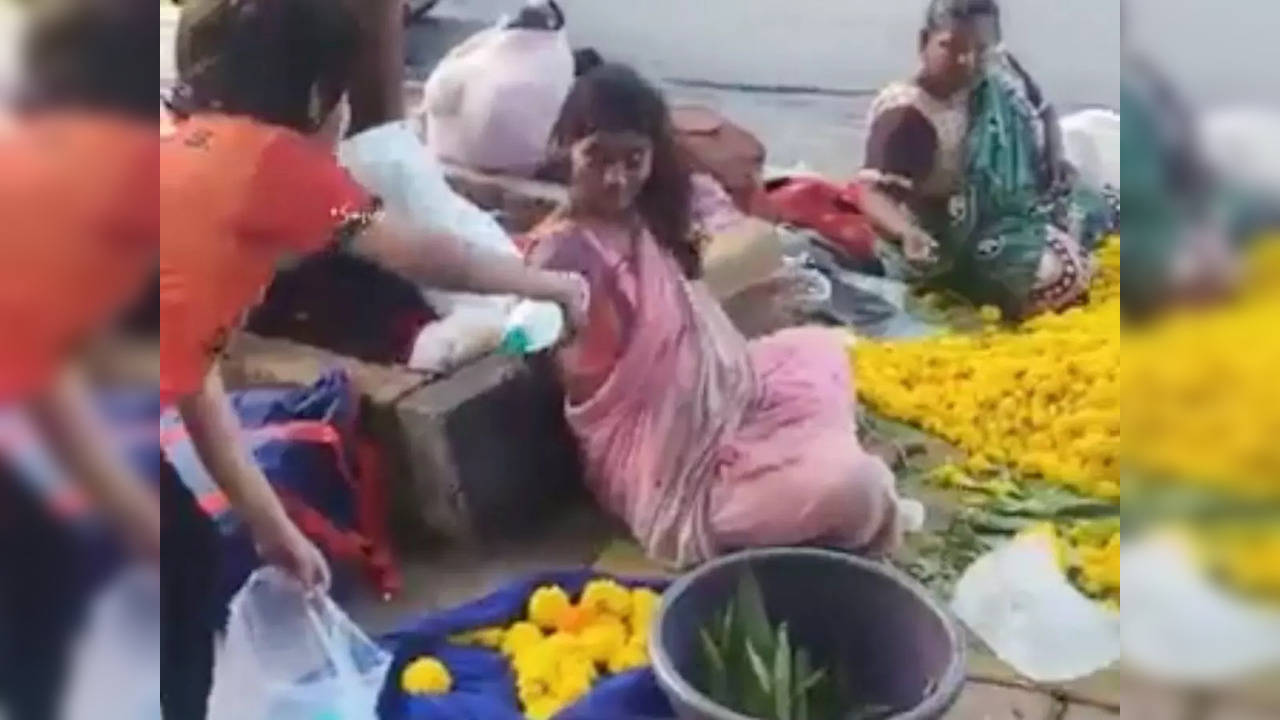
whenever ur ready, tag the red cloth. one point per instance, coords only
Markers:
(827, 208)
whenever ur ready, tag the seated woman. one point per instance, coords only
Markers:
(964, 177)
(1179, 247)
(701, 441)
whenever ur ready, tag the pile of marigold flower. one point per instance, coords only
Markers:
(1040, 398)
(1202, 404)
(561, 648)
(1202, 411)
(1090, 555)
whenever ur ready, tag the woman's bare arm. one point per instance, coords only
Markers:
(890, 218)
(443, 261)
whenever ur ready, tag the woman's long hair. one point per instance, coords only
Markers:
(614, 98)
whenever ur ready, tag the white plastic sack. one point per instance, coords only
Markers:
(1091, 143)
(392, 163)
(290, 656)
(1017, 601)
(1243, 144)
(1180, 627)
(115, 671)
(492, 100)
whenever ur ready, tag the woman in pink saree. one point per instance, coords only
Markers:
(701, 441)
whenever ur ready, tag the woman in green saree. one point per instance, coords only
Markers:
(964, 176)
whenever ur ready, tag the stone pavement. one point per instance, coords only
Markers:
(581, 536)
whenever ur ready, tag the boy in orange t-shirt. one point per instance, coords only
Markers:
(248, 180)
(77, 204)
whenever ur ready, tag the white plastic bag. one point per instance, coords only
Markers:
(392, 163)
(115, 672)
(1181, 627)
(1018, 601)
(1091, 142)
(491, 102)
(1243, 145)
(290, 656)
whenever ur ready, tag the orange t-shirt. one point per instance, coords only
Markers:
(78, 235)
(236, 197)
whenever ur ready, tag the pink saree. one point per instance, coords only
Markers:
(703, 442)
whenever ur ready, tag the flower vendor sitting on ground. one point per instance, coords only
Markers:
(701, 441)
(1186, 229)
(77, 198)
(245, 183)
(964, 177)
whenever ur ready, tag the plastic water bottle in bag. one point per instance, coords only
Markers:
(533, 326)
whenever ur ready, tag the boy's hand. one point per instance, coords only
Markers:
(282, 544)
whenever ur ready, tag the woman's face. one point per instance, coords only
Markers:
(950, 57)
(609, 170)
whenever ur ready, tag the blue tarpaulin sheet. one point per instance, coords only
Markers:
(296, 435)
(484, 685)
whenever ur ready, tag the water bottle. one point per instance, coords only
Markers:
(532, 326)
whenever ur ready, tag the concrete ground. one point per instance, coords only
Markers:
(583, 537)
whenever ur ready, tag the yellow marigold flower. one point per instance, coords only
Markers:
(602, 638)
(606, 596)
(629, 657)
(564, 645)
(574, 678)
(574, 619)
(644, 605)
(520, 637)
(531, 689)
(1246, 558)
(546, 605)
(487, 637)
(426, 676)
(544, 708)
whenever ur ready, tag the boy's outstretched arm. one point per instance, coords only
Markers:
(67, 420)
(215, 432)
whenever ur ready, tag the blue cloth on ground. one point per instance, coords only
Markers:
(311, 471)
(484, 686)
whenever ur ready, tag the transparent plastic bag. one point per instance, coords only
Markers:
(116, 667)
(291, 656)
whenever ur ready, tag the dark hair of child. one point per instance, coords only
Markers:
(282, 62)
(93, 55)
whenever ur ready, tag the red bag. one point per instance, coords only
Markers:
(717, 147)
(827, 208)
